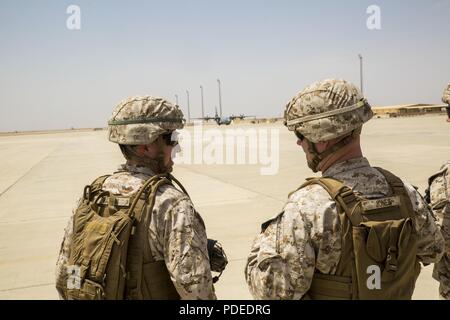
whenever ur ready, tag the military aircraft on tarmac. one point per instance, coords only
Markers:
(224, 120)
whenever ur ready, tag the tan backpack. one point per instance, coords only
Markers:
(379, 246)
(110, 257)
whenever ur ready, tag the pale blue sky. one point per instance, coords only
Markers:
(264, 52)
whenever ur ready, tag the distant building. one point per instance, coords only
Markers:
(408, 110)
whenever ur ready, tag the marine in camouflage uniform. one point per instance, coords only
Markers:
(439, 198)
(306, 237)
(176, 233)
(446, 100)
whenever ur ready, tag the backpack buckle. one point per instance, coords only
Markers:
(391, 266)
(87, 192)
(348, 196)
(391, 260)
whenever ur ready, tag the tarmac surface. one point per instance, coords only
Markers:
(44, 174)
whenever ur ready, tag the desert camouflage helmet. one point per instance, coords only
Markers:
(327, 110)
(141, 120)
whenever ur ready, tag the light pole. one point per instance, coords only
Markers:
(203, 108)
(189, 108)
(361, 72)
(220, 98)
(176, 98)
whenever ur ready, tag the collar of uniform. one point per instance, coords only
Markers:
(136, 169)
(346, 166)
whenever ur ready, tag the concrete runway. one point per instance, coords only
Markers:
(44, 174)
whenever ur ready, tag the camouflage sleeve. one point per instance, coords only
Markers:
(430, 243)
(62, 261)
(440, 202)
(439, 192)
(185, 252)
(441, 270)
(443, 220)
(303, 238)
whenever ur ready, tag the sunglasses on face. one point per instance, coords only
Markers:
(168, 140)
(299, 136)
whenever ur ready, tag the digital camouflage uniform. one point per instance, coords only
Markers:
(439, 190)
(306, 237)
(310, 235)
(176, 233)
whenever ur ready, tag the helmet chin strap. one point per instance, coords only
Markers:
(314, 163)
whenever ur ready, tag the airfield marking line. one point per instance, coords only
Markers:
(232, 184)
(26, 287)
(28, 171)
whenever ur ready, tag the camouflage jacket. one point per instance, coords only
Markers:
(176, 234)
(307, 236)
(446, 95)
(439, 192)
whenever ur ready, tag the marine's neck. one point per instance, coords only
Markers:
(348, 152)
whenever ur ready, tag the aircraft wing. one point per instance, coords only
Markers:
(205, 118)
(242, 117)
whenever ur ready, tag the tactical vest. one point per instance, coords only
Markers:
(110, 252)
(379, 246)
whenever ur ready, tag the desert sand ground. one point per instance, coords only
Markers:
(44, 174)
